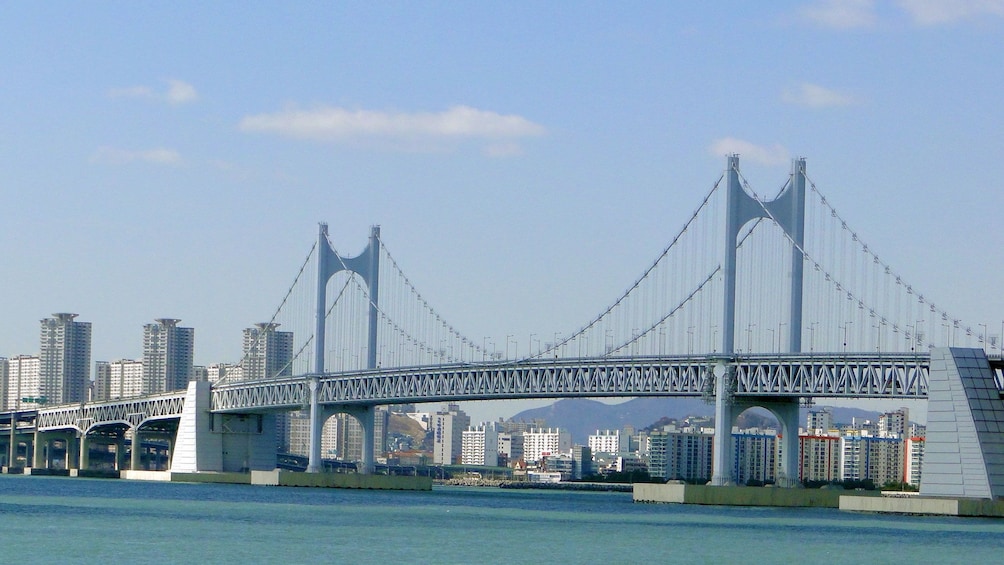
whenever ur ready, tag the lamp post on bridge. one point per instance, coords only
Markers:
(845, 333)
(983, 338)
(749, 338)
(772, 340)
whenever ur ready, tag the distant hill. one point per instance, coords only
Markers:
(582, 416)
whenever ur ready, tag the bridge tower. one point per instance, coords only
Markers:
(788, 212)
(367, 266)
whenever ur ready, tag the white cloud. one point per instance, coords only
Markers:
(326, 123)
(815, 96)
(113, 156)
(762, 154)
(178, 92)
(933, 12)
(841, 14)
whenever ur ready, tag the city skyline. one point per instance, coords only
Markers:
(165, 165)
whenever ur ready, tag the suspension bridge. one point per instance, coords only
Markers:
(757, 300)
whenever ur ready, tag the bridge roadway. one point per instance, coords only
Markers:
(765, 377)
(851, 375)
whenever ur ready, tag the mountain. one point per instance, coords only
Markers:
(582, 416)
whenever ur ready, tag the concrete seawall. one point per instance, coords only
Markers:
(850, 501)
(967, 507)
(339, 480)
(739, 496)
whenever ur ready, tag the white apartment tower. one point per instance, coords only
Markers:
(118, 379)
(480, 445)
(65, 357)
(168, 352)
(23, 380)
(608, 441)
(267, 352)
(4, 383)
(537, 444)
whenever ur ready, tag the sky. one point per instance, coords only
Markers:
(525, 161)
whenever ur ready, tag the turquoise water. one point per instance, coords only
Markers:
(49, 520)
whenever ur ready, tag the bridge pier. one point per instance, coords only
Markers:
(136, 452)
(365, 416)
(72, 450)
(721, 460)
(85, 452)
(728, 408)
(38, 458)
(120, 449)
(317, 420)
(786, 412)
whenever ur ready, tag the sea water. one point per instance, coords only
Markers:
(63, 520)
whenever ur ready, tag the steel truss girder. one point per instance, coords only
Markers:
(596, 378)
(133, 412)
(290, 393)
(851, 376)
(799, 375)
(795, 375)
(583, 377)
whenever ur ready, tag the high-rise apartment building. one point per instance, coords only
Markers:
(448, 427)
(539, 443)
(894, 424)
(117, 379)
(65, 357)
(216, 372)
(510, 447)
(267, 352)
(608, 441)
(868, 457)
(819, 421)
(755, 456)
(914, 460)
(680, 455)
(3, 383)
(820, 457)
(23, 380)
(480, 445)
(168, 353)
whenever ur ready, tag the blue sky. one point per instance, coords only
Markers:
(173, 160)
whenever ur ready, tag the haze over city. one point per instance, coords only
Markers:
(525, 163)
